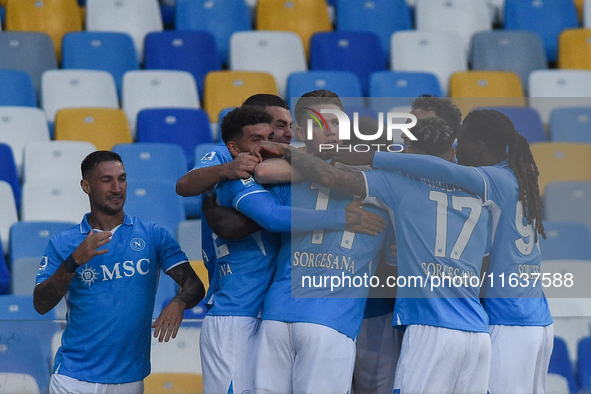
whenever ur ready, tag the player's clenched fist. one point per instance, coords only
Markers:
(241, 167)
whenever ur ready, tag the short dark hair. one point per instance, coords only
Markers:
(434, 136)
(316, 97)
(95, 158)
(238, 118)
(264, 100)
(443, 109)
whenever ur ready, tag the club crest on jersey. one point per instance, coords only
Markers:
(208, 156)
(137, 244)
(88, 275)
(248, 181)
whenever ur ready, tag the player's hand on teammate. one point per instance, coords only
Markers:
(241, 167)
(361, 221)
(268, 149)
(168, 322)
(88, 248)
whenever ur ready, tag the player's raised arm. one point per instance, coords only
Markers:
(48, 293)
(316, 170)
(192, 291)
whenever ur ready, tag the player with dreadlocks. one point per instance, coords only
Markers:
(497, 164)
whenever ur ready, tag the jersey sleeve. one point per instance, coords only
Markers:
(254, 201)
(167, 249)
(432, 168)
(50, 262)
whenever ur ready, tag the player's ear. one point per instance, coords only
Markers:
(85, 186)
(233, 148)
(300, 133)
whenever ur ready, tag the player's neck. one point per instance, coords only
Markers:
(104, 222)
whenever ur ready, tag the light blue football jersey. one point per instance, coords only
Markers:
(316, 254)
(513, 251)
(110, 300)
(442, 232)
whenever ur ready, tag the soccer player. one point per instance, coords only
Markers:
(245, 267)
(108, 268)
(442, 236)
(307, 336)
(506, 176)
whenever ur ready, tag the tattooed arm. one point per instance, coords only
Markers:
(317, 170)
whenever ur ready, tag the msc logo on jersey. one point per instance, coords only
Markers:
(208, 156)
(127, 269)
(88, 275)
(137, 244)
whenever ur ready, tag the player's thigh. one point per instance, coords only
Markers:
(274, 359)
(324, 359)
(61, 384)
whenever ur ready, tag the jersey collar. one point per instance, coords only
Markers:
(85, 226)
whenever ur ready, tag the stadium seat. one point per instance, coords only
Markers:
(279, 53)
(470, 89)
(357, 52)
(560, 364)
(157, 89)
(152, 161)
(304, 17)
(550, 89)
(520, 52)
(388, 89)
(77, 88)
(8, 216)
(526, 120)
(103, 127)
(189, 238)
(53, 201)
(9, 173)
(574, 49)
(464, 17)
(220, 18)
(565, 240)
(586, 13)
(224, 89)
(27, 51)
(547, 18)
(29, 239)
(562, 161)
(568, 200)
(107, 51)
(344, 83)
(134, 17)
(24, 272)
(439, 53)
(53, 17)
(155, 201)
(571, 124)
(16, 89)
(192, 51)
(20, 126)
(184, 127)
(55, 161)
(583, 367)
(173, 383)
(382, 17)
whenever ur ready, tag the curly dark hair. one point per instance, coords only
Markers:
(443, 109)
(434, 136)
(238, 118)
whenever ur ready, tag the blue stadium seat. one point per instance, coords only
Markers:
(566, 241)
(389, 89)
(382, 17)
(192, 51)
(520, 52)
(28, 51)
(9, 172)
(16, 89)
(571, 124)
(182, 126)
(29, 239)
(107, 51)
(527, 122)
(344, 83)
(583, 367)
(547, 18)
(560, 364)
(155, 201)
(568, 200)
(221, 18)
(357, 52)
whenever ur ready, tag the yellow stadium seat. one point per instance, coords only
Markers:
(574, 49)
(579, 5)
(104, 127)
(53, 17)
(470, 89)
(562, 161)
(304, 17)
(199, 268)
(225, 89)
(173, 383)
